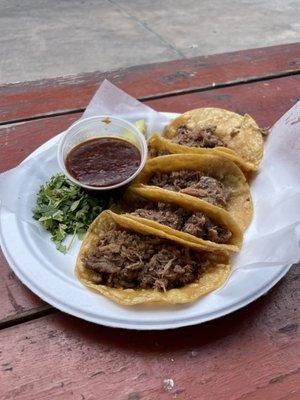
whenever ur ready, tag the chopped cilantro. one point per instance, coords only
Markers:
(64, 208)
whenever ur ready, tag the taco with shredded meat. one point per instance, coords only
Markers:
(216, 131)
(131, 263)
(212, 179)
(210, 228)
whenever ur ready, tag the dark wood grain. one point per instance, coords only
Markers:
(266, 101)
(250, 355)
(40, 98)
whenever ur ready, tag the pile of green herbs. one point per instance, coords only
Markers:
(64, 208)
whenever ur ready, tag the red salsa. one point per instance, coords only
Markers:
(103, 161)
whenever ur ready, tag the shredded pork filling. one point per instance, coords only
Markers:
(206, 137)
(192, 183)
(197, 224)
(124, 259)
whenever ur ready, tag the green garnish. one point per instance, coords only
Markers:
(64, 208)
(141, 125)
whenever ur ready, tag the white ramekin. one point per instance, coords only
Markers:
(100, 126)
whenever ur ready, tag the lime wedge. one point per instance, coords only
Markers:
(141, 126)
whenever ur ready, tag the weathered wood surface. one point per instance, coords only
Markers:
(252, 354)
(32, 99)
(266, 101)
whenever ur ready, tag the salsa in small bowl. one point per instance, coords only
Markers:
(102, 153)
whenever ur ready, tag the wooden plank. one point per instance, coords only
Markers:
(31, 99)
(251, 354)
(266, 101)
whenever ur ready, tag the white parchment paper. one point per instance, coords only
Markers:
(274, 234)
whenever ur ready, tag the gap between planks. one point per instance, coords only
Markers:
(28, 315)
(171, 93)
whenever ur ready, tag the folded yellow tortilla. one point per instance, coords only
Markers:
(239, 203)
(241, 134)
(216, 214)
(214, 273)
(159, 145)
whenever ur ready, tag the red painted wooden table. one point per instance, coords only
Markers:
(251, 354)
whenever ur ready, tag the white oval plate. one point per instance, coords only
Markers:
(50, 274)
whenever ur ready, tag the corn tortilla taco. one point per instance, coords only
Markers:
(130, 264)
(210, 228)
(238, 137)
(213, 179)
